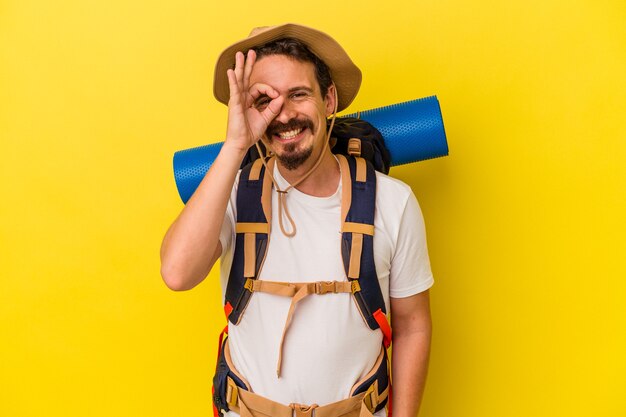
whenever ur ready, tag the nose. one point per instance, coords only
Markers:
(287, 112)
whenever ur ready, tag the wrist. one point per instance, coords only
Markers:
(232, 150)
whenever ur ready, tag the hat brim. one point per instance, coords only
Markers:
(344, 73)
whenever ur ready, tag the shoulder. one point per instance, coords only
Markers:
(397, 207)
(387, 181)
(391, 190)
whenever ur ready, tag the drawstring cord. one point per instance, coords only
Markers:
(282, 194)
(282, 205)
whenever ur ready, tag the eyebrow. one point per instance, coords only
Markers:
(300, 88)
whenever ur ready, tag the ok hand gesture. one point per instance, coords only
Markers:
(247, 123)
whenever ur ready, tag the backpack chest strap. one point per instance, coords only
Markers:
(290, 289)
(297, 292)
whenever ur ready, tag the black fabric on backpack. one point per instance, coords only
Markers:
(373, 147)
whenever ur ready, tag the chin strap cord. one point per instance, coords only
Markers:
(282, 194)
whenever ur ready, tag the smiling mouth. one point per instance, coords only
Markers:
(291, 131)
(290, 134)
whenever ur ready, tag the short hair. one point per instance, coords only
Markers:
(297, 50)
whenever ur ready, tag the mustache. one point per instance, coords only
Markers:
(276, 127)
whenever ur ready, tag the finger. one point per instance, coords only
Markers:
(233, 86)
(250, 60)
(239, 63)
(273, 109)
(258, 89)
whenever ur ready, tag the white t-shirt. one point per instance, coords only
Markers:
(328, 346)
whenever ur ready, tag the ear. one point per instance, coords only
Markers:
(330, 99)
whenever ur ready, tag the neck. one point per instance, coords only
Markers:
(322, 182)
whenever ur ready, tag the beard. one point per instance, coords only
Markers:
(291, 157)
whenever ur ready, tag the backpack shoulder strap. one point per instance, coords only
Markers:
(358, 206)
(252, 231)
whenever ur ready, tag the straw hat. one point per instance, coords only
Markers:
(345, 75)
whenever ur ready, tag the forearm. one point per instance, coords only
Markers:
(409, 369)
(191, 245)
(412, 329)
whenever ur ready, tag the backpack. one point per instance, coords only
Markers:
(360, 150)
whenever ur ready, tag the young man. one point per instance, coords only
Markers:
(282, 91)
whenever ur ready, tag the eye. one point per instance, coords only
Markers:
(262, 102)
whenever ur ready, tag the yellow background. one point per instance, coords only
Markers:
(525, 218)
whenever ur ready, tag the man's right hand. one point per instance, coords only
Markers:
(246, 122)
(191, 245)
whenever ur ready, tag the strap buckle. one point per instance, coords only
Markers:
(232, 392)
(356, 287)
(324, 287)
(248, 284)
(371, 399)
(300, 410)
(354, 147)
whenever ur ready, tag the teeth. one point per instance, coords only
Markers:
(290, 134)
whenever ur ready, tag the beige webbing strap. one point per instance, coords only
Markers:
(357, 229)
(249, 244)
(252, 227)
(255, 171)
(354, 270)
(231, 366)
(253, 405)
(297, 291)
(301, 293)
(266, 193)
(346, 188)
(364, 229)
(248, 404)
(289, 289)
(249, 254)
(276, 288)
(361, 170)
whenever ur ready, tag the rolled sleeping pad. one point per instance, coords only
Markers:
(413, 132)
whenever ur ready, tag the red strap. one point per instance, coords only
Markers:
(381, 319)
(228, 309)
